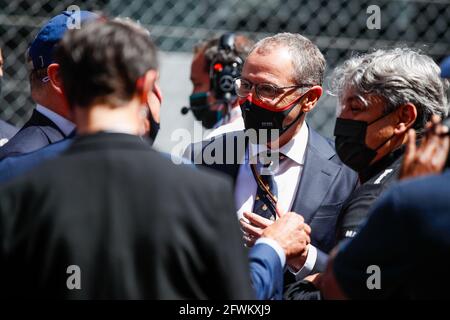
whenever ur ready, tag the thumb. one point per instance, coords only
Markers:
(280, 211)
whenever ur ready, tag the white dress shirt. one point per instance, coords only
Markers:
(287, 178)
(63, 124)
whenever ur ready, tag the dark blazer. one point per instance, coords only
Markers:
(137, 225)
(325, 183)
(38, 132)
(7, 131)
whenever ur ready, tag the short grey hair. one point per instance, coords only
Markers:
(398, 76)
(307, 60)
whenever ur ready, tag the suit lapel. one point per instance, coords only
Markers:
(317, 176)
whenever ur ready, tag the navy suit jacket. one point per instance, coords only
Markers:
(37, 133)
(325, 183)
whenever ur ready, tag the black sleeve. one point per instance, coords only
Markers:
(353, 216)
(381, 243)
(232, 269)
(301, 290)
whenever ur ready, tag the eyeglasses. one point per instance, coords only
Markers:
(264, 91)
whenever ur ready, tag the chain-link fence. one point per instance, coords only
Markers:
(339, 28)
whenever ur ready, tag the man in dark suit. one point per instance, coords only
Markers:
(51, 119)
(309, 178)
(123, 218)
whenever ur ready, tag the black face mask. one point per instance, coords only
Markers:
(351, 143)
(1, 85)
(260, 117)
(201, 110)
(154, 128)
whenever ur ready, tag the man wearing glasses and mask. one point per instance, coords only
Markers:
(284, 165)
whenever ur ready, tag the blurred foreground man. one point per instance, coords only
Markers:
(111, 217)
(280, 242)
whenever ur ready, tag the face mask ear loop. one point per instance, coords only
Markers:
(381, 117)
(299, 115)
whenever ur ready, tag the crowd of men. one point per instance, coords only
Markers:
(264, 207)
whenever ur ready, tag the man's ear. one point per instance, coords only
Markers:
(407, 115)
(55, 78)
(311, 97)
(145, 85)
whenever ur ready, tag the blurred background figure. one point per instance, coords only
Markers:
(6, 130)
(216, 63)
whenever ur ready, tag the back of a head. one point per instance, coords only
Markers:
(102, 62)
(399, 76)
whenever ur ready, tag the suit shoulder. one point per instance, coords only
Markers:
(321, 144)
(197, 176)
(420, 188)
(27, 138)
(194, 150)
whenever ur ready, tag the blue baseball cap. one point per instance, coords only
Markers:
(41, 49)
(445, 68)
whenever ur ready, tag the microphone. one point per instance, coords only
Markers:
(185, 110)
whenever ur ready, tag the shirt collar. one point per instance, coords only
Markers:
(63, 124)
(235, 113)
(295, 149)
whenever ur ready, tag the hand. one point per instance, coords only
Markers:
(291, 233)
(430, 156)
(315, 279)
(254, 227)
(296, 263)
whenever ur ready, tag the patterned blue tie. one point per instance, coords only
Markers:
(262, 205)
